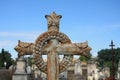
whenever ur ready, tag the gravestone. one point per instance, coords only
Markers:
(78, 68)
(78, 71)
(20, 65)
(20, 71)
(52, 43)
(28, 69)
(118, 72)
(91, 67)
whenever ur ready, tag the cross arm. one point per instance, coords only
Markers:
(24, 48)
(73, 49)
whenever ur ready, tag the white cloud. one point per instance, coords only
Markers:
(115, 26)
(101, 28)
(24, 36)
(20, 34)
(10, 39)
(111, 27)
(7, 43)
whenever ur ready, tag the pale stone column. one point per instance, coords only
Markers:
(53, 63)
(53, 66)
(21, 65)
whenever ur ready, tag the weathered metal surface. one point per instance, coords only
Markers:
(52, 43)
(112, 52)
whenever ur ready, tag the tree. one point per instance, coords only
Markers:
(105, 58)
(5, 56)
(30, 61)
(2, 58)
(85, 59)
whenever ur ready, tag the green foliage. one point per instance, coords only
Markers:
(5, 56)
(30, 61)
(105, 58)
(85, 59)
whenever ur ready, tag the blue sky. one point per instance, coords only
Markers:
(95, 21)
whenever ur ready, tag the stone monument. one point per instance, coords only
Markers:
(52, 43)
(20, 71)
(78, 68)
(20, 65)
(118, 72)
(78, 71)
(91, 69)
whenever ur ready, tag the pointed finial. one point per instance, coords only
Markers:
(53, 21)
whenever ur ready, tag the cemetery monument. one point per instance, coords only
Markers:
(52, 43)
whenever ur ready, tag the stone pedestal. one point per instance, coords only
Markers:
(20, 72)
(20, 77)
(118, 72)
(78, 77)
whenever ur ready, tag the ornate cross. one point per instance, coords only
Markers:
(52, 43)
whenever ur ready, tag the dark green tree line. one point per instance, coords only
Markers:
(105, 58)
(5, 56)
